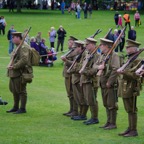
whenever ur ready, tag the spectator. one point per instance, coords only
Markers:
(43, 50)
(122, 41)
(9, 37)
(120, 21)
(72, 7)
(78, 9)
(61, 36)
(34, 45)
(85, 9)
(11, 6)
(116, 17)
(62, 6)
(90, 10)
(132, 34)
(116, 34)
(137, 18)
(38, 38)
(126, 18)
(2, 25)
(52, 36)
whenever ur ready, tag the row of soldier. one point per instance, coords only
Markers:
(82, 65)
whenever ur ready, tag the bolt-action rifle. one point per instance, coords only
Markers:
(80, 55)
(130, 60)
(91, 55)
(18, 47)
(110, 51)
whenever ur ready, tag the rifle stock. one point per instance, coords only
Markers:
(22, 41)
(99, 73)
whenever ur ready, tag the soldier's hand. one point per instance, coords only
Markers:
(101, 67)
(63, 58)
(10, 67)
(108, 85)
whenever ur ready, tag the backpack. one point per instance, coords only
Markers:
(35, 57)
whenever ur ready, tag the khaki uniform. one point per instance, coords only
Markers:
(109, 95)
(130, 89)
(89, 85)
(21, 64)
(68, 82)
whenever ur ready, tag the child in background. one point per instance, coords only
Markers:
(120, 20)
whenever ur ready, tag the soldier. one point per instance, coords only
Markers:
(21, 65)
(77, 90)
(68, 77)
(131, 89)
(89, 91)
(108, 83)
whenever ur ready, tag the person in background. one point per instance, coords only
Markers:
(78, 9)
(90, 10)
(43, 50)
(116, 17)
(9, 37)
(52, 36)
(85, 9)
(137, 18)
(61, 36)
(34, 45)
(2, 25)
(120, 21)
(126, 18)
(62, 6)
(38, 37)
(132, 34)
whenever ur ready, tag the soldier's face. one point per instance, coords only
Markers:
(131, 50)
(16, 40)
(70, 43)
(104, 48)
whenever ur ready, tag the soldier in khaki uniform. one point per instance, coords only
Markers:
(88, 89)
(130, 89)
(77, 90)
(108, 82)
(68, 77)
(20, 65)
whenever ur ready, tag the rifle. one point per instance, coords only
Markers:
(141, 69)
(79, 56)
(18, 47)
(130, 60)
(96, 33)
(70, 51)
(75, 61)
(89, 58)
(111, 50)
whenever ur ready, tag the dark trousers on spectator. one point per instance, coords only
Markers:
(52, 44)
(60, 42)
(128, 23)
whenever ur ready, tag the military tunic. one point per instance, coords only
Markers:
(87, 81)
(130, 89)
(21, 64)
(109, 95)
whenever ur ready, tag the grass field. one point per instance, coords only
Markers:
(44, 123)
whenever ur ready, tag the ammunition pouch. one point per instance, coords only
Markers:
(27, 78)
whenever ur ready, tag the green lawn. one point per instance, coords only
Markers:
(47, 100)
